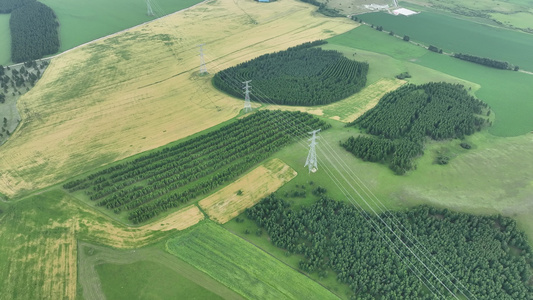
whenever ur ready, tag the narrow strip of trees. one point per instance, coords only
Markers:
(486, 61)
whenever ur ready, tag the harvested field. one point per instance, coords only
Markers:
(228, 203)
(140, 90)
(352, 107)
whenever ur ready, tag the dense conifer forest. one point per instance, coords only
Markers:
(301, 75)
(487, 254)
(156, 182)
(400, 122)
(34, 32)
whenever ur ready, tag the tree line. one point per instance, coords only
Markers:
(486, 61)
(300, 75)
(488, 255)
(34, 32)
(402, 119)
(161, 180)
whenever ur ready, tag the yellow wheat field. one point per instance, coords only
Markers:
(227, 203)
(140, 89)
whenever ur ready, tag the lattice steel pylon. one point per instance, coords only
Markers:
(149, 12)
(247, 104)
(203, 69)
(312, 161)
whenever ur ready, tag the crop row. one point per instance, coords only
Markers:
(166, 178)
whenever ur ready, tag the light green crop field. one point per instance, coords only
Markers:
(459, 35)
(520, 19)
(146, 280)
(5, 40)
(507, 92)
(512, 13)
(146, 273)
(156, 281)
(241, 266)
(83, 20)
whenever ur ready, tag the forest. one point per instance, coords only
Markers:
(301, 75)
(34, 32)
(488, 256)
(486, 61)
(158, 181)
(398, 125)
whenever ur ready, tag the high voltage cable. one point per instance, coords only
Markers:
(364, 190)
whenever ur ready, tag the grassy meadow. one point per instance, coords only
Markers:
(140, 90)
(145, 273)
(5, 40)
(83, 21)
(157, 281)
(459, 35)
(241, 266)
(511, 13)
(507, 92)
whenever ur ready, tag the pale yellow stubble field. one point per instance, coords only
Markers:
(140, 89)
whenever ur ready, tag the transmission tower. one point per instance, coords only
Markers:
(150, 12)
(311, 157)
(203, 69)
(247, 104)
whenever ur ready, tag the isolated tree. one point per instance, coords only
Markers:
(406, 38)
(391, 33)
(516, 68)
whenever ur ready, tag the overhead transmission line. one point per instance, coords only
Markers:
(369, 194)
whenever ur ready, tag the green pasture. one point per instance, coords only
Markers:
(502, 6)
(241, 266)
(519, 19)
(83, 20)
(507, 92)
(146, 273)
(155, 282)
(5, 40)
(492, 177)
(459, 35)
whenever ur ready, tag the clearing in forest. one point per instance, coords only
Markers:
(233, 199)
(140, 89)
(352, 107)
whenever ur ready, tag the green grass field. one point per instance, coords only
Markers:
(146, 273)
(512, 13)
(459, 35)
(507, 92)
(83, 21)
(156, 282)
(5, 40)
(241, 266)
